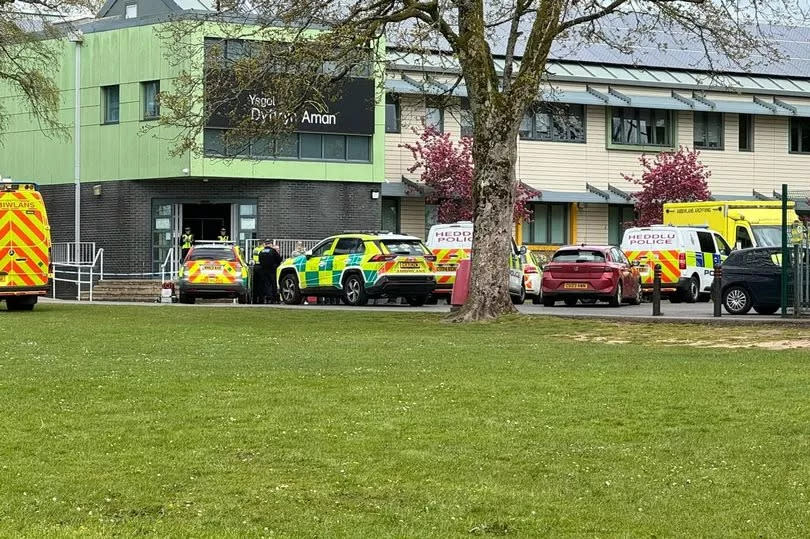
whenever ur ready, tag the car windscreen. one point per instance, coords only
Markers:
(579, 255)
(212, 254)
(768, 236)
(404, 247)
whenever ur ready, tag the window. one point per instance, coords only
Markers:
(743, 238)
(746, 133)
(291, 146)
(311, 146)
(349, 246)
(434, 114)
(578, 255)
(320, 250)
(404, 247)
(131, 11)
(334, 147)
(109, 100)
(549, 225)
(390, 215)
(709, 130)
(466, 119)
(641, 127)
(358, 148)
(722, 246)
(800, 135)
(618, 219)
(151, 107)
(392, 114)
(554, 122)
(706, 242)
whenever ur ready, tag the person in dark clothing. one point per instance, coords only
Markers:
(270, 260)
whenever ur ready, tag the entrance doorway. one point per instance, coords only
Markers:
(206, 220)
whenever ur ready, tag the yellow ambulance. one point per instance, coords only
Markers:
(25, 245)
(742, 223)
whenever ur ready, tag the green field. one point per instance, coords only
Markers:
(202, 422)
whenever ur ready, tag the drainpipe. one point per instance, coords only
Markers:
(77, 38)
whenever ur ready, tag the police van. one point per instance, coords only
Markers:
(451, 243)
(25, 246)
(687, 256)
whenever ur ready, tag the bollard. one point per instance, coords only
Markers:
(656, 290)
(461, 285)
(717, 289)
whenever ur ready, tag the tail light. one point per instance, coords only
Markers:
(382, 258)
(530, 269)
(682, 261)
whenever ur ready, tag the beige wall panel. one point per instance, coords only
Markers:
(592, 222)
(412, 217)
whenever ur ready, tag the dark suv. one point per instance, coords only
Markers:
(753, 278)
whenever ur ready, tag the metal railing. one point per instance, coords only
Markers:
(170, 266)
(801, 274)
(67, 252)
(286, 246)
(79, 274)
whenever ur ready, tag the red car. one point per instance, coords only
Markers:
(591, 273)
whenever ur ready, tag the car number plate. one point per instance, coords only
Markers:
(445, 267)
(409, 266)
(577, 286)
(212, 267)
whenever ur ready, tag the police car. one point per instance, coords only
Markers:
(213, 270)
(359, 267)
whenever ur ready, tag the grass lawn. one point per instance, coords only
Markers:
(200, 422)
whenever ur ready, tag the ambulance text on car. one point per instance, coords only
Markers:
(25, 244)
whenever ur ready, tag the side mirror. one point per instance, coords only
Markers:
(522, 250)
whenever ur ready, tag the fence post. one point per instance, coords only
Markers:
(656, 290)
(78, 283)
(798, 284)
(717, 288)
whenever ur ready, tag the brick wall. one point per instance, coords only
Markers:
(119, 220)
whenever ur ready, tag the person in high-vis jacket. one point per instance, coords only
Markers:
(223, 235)
(257, 250)
(186, 241)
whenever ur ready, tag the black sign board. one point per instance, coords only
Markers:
(351, 111)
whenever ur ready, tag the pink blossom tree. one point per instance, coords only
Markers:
(668, 177)
(448, 173)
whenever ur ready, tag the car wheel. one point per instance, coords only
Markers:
(537, 300)
(520, 299)
(616, 300)
(20, 304)
(290, 292)
(736, 300)
(242, 299)
(766, 309)
(636, 299)
(416, 301)
(186, 299)
(432, 299)
(548, 302)
(570, 302)
(690, 295)
(354, 291)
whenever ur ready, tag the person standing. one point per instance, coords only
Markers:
(299, 250)
(223, 235)
(270, 260)
(186, 241)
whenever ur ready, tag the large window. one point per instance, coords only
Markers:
(434, 114)
(549, 225)
(800, 135)
(392, 114)
(151, 107)
(641, 127)
(746, 134)
(314, 146)
(555, 122)
(110, 103)
(709, 130)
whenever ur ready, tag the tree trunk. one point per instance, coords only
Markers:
(494, 191)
